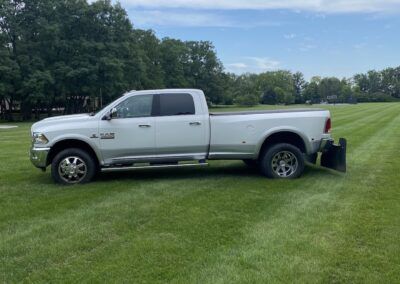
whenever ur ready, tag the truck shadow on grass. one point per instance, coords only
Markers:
(236, 170)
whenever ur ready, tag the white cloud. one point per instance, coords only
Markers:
(324, 6)
(151, 18)
(239, 65)
(253, 65)
(307, 47)
(289, 36)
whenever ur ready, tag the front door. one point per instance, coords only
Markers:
(130, 134)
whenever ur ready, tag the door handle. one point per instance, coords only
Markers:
(195, 123)
(144, 125)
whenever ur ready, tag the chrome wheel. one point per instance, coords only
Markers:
(284, 164)
(72, 169)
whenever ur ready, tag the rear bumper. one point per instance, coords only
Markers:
(334, 156)
(38, 157)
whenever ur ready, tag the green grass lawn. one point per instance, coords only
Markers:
(220, 224)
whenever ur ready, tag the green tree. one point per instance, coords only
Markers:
(150, 54)
(174, 57)
(329, 87)
(311, 91)
(276, 87)
(299, 85)
(245, 90)
(204, 70)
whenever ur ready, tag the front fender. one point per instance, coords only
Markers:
(90, 141)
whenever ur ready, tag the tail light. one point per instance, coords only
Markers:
(328, 126)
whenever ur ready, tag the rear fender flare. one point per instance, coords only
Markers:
(275, 130)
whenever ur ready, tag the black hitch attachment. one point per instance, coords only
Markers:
(334, 156)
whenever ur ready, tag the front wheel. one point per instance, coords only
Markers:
(283, 161)
(72, 166)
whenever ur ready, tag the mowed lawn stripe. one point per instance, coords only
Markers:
(338, 118)
(361, 119)
(357, 130)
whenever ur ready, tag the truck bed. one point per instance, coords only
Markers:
(239, 134)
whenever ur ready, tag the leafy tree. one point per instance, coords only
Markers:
(378, 86)
(245, 90)
(391, 81)
(299, 85)
(174, 58)
(149, 46)
(11, 17)
(276, 87)
(311, 92)
(204, 70)
(329, 87)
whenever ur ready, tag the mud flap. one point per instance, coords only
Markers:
(334, 156)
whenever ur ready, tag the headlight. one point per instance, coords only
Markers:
(39, 138)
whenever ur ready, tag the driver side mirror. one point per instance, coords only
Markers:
(112, 113)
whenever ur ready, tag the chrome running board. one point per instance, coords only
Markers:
(159, 166)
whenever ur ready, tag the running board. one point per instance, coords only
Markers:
(120, 169)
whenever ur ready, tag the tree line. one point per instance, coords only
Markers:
(73, 56)
(285, 87)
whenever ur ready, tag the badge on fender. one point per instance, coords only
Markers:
(107, 135)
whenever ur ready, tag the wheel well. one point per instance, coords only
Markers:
(284, 137)
(70, 143)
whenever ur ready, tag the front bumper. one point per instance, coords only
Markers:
(334, 156)
(38, 157)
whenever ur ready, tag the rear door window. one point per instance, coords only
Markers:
(176, 104)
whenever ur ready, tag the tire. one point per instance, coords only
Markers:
(73, 166)
(251, 163)
(282, 161)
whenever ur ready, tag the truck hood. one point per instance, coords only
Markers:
(74, 118)
(66, 117)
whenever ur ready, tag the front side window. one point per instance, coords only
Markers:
(176, 104)
(135, 106)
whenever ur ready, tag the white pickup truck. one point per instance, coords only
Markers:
(173, 128)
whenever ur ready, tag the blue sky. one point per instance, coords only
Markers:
(317, 37)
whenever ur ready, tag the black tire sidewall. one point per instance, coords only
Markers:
(90, 164)
(266, 159)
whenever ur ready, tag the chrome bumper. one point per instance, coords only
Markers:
(38, 157)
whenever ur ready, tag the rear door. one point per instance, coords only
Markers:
(180, 127)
